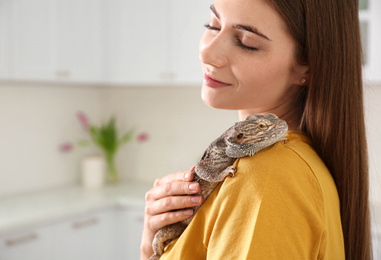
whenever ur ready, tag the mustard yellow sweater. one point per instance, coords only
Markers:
(282, 204)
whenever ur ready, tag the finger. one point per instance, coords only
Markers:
(172, 189)
(158, 221)
(177, 176)
(172, 203)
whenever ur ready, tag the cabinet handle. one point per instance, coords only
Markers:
(85, 223)
(21, 240)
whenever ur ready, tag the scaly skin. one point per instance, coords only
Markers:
(245, 138)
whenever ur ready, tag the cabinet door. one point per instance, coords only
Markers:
(4, 38)
(31, 245)
(87, 237)
(78, 40)
(136, 37)
(370, 21)
(187, 27)
(374, 68)
(131, 222)
(376, 243)
(32, 39)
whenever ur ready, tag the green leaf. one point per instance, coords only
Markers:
(105, 137)
(127, 137)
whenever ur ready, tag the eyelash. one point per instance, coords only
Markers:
(238, 41)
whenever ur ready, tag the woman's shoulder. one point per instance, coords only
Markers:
(290, 167)
(293, 158)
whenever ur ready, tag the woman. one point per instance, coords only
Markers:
(307, 198)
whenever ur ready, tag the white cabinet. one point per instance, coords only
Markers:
(146, 42)
(376, 243)
(370, 21)
(131, 222)
(187, 26)
(31, 244)
(92, 236)
(78, 40)
(54, 40)
(112, 234)
(4, 38)
(32, 37)
(135, 40)
(153, 42)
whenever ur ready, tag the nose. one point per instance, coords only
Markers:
(212, 50)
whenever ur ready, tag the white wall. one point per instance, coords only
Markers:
(35, 119)
(373, 124)
(180, 124)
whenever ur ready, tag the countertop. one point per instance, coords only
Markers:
(30, 210)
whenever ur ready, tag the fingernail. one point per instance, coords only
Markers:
(187, 176)
(193, 186)
(196, 199)
(188, 212)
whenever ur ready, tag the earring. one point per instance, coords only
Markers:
(303, 81)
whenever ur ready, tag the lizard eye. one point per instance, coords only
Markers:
(262, 126)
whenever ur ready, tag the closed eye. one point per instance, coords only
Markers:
(209, 27)
(238, 41)
(245, 47)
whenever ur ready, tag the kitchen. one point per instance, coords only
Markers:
(106, 58)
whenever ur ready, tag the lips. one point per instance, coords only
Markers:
(214, 83)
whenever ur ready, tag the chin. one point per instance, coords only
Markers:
(217, 100)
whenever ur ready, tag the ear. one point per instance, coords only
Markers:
(301, 74)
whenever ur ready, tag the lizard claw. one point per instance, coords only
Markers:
(232, 171)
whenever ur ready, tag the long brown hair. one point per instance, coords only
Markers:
(327, 37)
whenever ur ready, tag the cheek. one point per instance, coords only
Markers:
(264, 72)
(263, 84)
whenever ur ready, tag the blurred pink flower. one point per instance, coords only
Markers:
(142, 137)
(83, 120)
(66, 147)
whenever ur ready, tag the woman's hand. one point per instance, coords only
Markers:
(167, 195)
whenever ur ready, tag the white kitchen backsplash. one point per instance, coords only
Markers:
(35, 119)
(373, 127)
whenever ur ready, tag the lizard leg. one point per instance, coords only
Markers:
(215, 175)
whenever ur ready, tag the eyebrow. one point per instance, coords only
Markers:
(213, 9)
(247, 28)
(251, 29)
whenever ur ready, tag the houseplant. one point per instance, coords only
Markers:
(106, 137)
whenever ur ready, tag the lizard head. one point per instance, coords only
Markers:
(253, 134)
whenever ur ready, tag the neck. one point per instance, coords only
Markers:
(288, 113)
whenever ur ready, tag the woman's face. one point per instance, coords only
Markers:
(248, 59)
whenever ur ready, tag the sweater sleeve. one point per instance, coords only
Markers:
(272, 209)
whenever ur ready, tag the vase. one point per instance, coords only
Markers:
(112, 175)
(92, 171)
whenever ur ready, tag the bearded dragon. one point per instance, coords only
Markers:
(245, 138)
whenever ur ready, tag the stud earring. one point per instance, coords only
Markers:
(303, 81)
